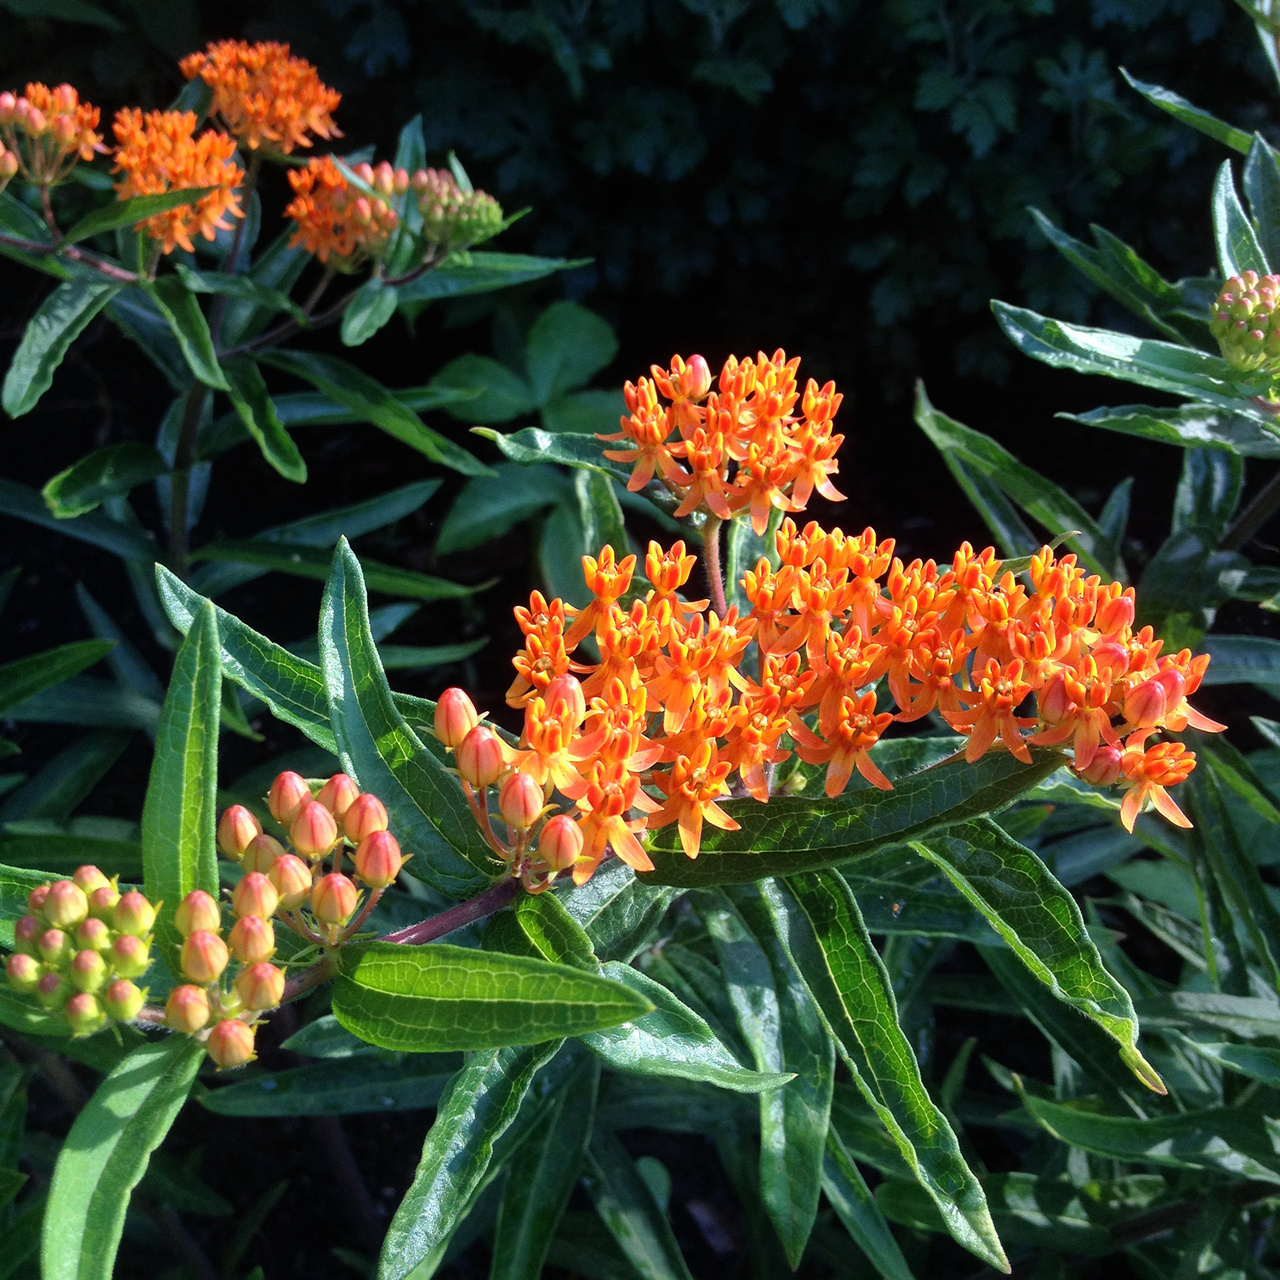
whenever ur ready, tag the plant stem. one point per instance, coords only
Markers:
(219, 310)
(108, 269)
(1261, 508)
(313, 975)
(711, 554)
(354, 927)
(184, 456)
(492, 899)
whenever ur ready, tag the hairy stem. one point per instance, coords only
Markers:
(711, 562)
(1261, 508)
(184, 456)
(492, 899)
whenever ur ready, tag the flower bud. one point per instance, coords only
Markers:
(560, 844)
(26, 934)
(1104, 768)
(255, 895)
(1115, 612)
(204, 956)
(230, 1044)
(53, 990)
(261, 853)
(455, 717)
(378, 859)
(36, 122)
(123, 1001)
(8, 166)
(366, 815)
(520, 801)
(252, 940)
(337, 794)
(102, 903)
(197, 911)
(236, 828)
(261, 986)
(84, 1014)
(314, 831)
(37, 898)
(565, 693)
(93, 935)
(1144, 705)
(1053, 701)
(66, 904)
(88, 971)
(187, 1009)
(23, 972)
(89, 878)
(291, 878)
(480, 757)
(54, 946)
(695, 382)
(130, 956)
(333, 900)
(8, 107)
(134, 915)
(289, 792)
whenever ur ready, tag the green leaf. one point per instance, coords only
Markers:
(439, 997)
(1243, 660)
(1248, 1017)
(489, 506)
(599, 512)
(379, 749)
(127, 213)
(627, 1207)
(373, 305)
(503, 394)
(744, 548)
(67, 779)
(179, 307)
(102, 474)
(369, 400)
(249, 395)
(53, 850)
(553, 933)
(1039, 920)
(1208, 492)
(1183, 111)
(478, 272)
(21, 679)
(847, 1191)
(616, 910)
(1251, 1060)
(243, 288)
(129, 542)
(568, 345)
(1237, 242)
(60, 320)
(106, 1153)
(88, 701)
(1262, 190)
(582, 413)
(821, 928)
(477, 1108)
(535, 445)
(179, 816)
(1039, 498)
(792, 833)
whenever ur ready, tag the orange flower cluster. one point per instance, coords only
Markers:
(46, 132)
(267, 98)
(158, 151)
(336, 219)
(653, 733)
(741, 447)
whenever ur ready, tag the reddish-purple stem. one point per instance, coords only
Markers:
(492, 899)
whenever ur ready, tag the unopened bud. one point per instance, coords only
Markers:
(1115, 612)
(123, 1001)
(1144, 705)
(261, 986)
(8, 166)
(130, 956)
(261, 853)
(197, 911)
(255, 895)
(54, 946)
(134, 915)
(1104, 768)
(26, 934)
(84, 1014)
(378, 859)
(187, 1009)
(88, 971)
(695, 382)
(66, 904)
(93, 935)
(560, 843)
(235, 829)
(37, 898)
(337, 794)
(8, 106)
(366, 815)
(565, 692)
(289, 792)
(333, 900)
(480, 757)
(252, 940)
(52, 991)
(204, 956)
(520, 801)
(291, 878)
(102, 903)
(230, 1044)
(35, 122)
(1053, 701)
(456, 716)
(23, 972)
(89, 878)
(313, 831)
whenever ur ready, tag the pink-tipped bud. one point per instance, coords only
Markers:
(456, 716)
(54, 946)
(134, 915)
(366, 815)
(187, 1009)
(102, 903)
(1115, 612)
(261, 853)
(1104, 768)
(198, 910)
(89, 878)
(337, 794)
(230, 1044)
(261, 986)
(53, 990)
(65, 131)
(560, 844)
(204, 956)
(695, 382)
(289, 792)
(8, 107)
(93, 935)
(8, 166)
(1053, 700)
(1174, 684)
(26, 934)
(252, 940)
(123, 1001)
(130, 956)
(35, 122)
(23, 972)
(236, 828)
(480, 757)
(378, 859)
(313, 831)
(37, 898)
(520, 801)
(84, 1014)
(255, 895)
(66, 904)
(565, 693)
(88, 971)
(333, 900)
(291, 878)
(1145, 705)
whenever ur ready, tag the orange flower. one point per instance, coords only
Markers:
(267, 98)
(336, 219)
(691, 789)
(998, 692)
(611, 793)
(47, 131)
(849, 735)
(607, 579)
(1149, 772)
(158, 152)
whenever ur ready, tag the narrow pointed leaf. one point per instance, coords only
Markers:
(483, 272)
(847, 1191)
(21, 679)
(102, 474)
(373, 305)
(180, 308)
(1262, 190)
(617, 911)
(1237, 242)
(598, 509)
(1196, 426)
(129, 542)
(124, 213)
(249, 395)
(1184, 112)
(535, 445)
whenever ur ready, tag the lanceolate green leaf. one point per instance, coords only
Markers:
(181, 309)
(61, 319)
(102, 474)
(535, 445)
(124, 213)
(127, 541)
(1182, 110)
(1194, 426)
(481, 272)
(1039, 919)
(821, 928)
(179, 817)
(253, 403)
(27, 676)
(107, 1152)
(1243, 660)
(856, 1207)
(1237, 242)
(617, 911)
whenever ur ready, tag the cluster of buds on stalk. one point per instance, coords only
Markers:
(46, 131)
(80, 948)
(451, 217)
(1246, 322)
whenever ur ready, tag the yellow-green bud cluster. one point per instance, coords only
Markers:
(1246, 322)
(451, 217)
(79, 949)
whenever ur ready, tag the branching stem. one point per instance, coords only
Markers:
(711, 560)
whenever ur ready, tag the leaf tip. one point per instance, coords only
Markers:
(1141, 1068)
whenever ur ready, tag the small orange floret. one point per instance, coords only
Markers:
(334, 218)
(47, 131)
(1148, 772)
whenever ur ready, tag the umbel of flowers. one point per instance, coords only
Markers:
(689, 705)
